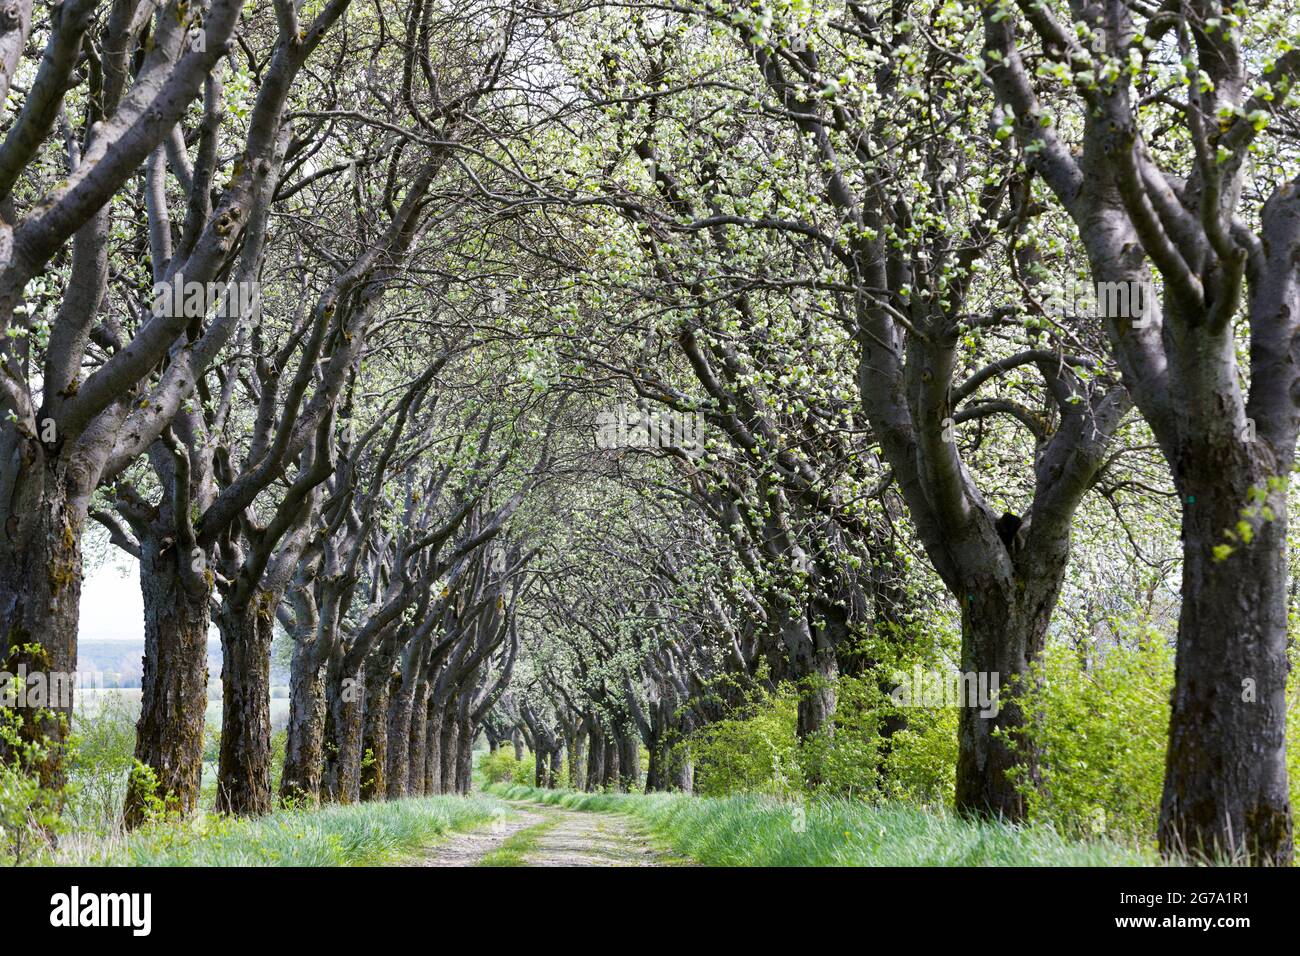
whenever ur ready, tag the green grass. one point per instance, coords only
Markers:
(358, 835)
(514, 849)
(763, 831)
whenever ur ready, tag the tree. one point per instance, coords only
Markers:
(1173, 104)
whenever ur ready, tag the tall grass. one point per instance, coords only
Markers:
(358, 835)
(764, 831)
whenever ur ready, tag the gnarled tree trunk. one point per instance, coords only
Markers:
(345, 699)
(595, 758)
(244, 772)
(173, 697)
(450, 743)
(374, 737)
(433, 750)
(305, 735)
(1226, 788)
(464, 756)
(418, 741)
(40, 594)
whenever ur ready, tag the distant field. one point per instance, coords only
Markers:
(91, 701)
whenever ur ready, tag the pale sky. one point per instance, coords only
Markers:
(111, 606)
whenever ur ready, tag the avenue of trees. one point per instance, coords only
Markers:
(605, 379)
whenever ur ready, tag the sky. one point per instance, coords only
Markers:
(111, 606)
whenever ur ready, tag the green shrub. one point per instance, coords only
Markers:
(755, 751)
(1100, 735)
(843, 759)
(30, 814)
(921, 765)
(758, 751)
(502, 767)
(102, 765)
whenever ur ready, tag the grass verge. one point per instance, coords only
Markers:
(362, 834)
(762, 831)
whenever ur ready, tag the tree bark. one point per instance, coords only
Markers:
(244, 773)
(609, 779)
(813, 661)
(400, 713)
(577, 759)
(683, 770)
(418, 741)
(173, 697)
(629, 763)
(433, 751)
(557, 767)
(656, 776)
(345, 698)
(1001, 634)
(374, 736)
(40, 595)
(303, 756)
(450, 740)
(541, 769)
(1226, 790)
(464, 756)
(595, 759)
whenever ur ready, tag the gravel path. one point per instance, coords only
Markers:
(563, 838)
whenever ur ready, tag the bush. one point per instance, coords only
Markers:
(104, 758)
(756, 751)
(1100, 736)
(502, 767)
(921, 766)
(29, 813)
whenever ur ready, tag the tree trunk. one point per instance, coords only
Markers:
(812, 665)
(173, 697)
(656, 775)
(557, 766)
(418, 741)
(400, 712)
(305, 737)
(517, 739)
(1225, 789)
(345, 696)
(374, 736)
(595, 759)
(464, 756)
(577, 760)
(609, 779)
(40, 596)
(629, 763)
(541, 769)
(1000, 637)
(683, 770)
(244, 773)
(433, 751)
(450, 739)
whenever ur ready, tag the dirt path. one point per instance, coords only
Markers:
(534, 835)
